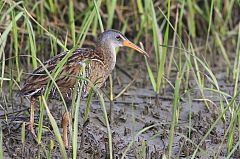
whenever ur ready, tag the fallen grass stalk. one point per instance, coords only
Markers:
(135, 138)
(203, 151)
(124, 89)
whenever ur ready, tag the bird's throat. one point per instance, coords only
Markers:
(109, 57)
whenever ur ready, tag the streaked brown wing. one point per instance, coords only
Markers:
(35, 83)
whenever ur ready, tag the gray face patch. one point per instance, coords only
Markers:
(112, 38)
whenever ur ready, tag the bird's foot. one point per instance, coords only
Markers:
(31, 129)
(66, 144)
(157, 101)
(68, 147)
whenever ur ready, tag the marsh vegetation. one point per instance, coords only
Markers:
(181, 102)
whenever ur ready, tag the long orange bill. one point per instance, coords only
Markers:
(135, 47)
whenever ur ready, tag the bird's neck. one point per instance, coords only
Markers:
(108, 53)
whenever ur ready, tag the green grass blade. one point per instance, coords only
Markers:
(40, 125)
(99, 16)
(236, 68)
(235, 148)
(164, 52)
(86, 23)
(174, 115)
(87, 109)
(15, 37)
(107, 125)
(209, 25)
(111, 6)
(1, 141)
(55, 130)
(231, 135)
(23, 133)
(10, 9)
(72, 21)
(3, 40)
(215, 123)
(52, 6)
(151, 75)
(191, 18)
(76, 114)
(32, 43)
(173, 50)
(47, 32)
(157, 38)
(51, 146)
(223, 51)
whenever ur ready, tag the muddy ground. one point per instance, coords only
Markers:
(132, 111)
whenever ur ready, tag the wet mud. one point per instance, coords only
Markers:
(133, 111)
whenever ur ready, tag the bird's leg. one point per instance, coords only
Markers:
(65, 125)
(31, 126)
(157, 101)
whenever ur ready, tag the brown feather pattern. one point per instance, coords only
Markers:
(36, 83)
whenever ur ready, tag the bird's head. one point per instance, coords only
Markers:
(115, 39)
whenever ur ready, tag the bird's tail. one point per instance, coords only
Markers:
(25, 92)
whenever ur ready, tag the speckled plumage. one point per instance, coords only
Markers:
(99, 63)
(37, 81)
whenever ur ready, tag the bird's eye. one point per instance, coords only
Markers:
(118, 37)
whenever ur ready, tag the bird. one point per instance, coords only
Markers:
(98, 62)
